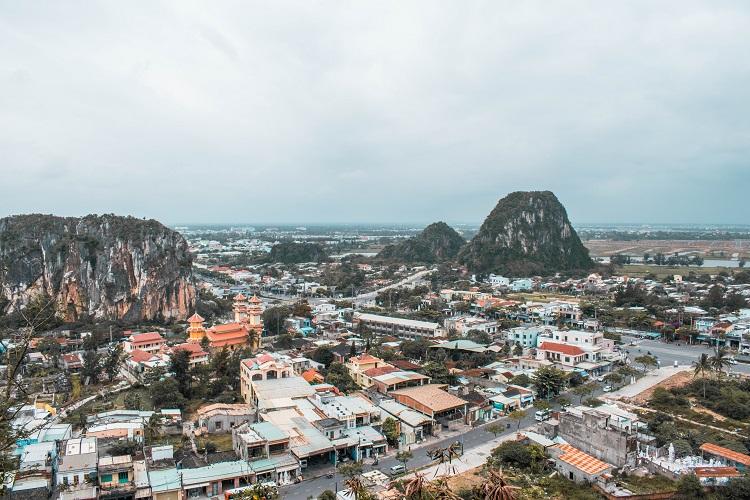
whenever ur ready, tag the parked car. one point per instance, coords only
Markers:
(542, 415)
(607, 388)
(397, 469)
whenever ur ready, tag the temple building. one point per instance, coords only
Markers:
(245, 330)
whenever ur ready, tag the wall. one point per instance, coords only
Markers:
(592, 435)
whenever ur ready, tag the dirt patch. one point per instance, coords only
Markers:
(465, 480)
(697, 408)
(677, 380)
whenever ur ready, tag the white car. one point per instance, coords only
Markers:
(607, 388)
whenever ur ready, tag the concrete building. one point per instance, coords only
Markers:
(262, 367)
(148, 342)
(600, 434)
(77, 468)
(221, 417)
(399, 327)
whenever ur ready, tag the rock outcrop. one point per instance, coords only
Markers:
(103, 267)
(527, 233)
(437, 242)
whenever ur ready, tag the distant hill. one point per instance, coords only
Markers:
(437, 242)
(528, 232)
(97, 266)
(290, 252)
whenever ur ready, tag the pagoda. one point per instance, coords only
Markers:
(245, 330)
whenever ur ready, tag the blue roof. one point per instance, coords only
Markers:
(164, 480)
(269, 431)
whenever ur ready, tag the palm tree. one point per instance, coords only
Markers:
(700, 367)
(720, 361)
(496, 488)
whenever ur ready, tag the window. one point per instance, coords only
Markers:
(122, 477)
(106, 478)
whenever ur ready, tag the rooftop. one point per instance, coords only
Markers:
(570, 350)
(720, 451)
(431, 396)
(582, 461)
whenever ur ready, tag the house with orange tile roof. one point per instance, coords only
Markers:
(264, 366)
(726, 456)
(149, 342)
(577, 466)
(197, 356)
(559, 353)
(312, 376)
(358, 365)
(432, 400)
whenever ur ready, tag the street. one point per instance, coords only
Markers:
(668, 353)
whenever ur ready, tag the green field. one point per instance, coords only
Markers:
(639, 271)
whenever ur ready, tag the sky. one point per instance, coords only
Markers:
(375, 111)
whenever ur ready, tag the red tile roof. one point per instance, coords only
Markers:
(312, 375)
(570, 350)
(227, 328)
(582, 461)
(382, 370)
(139, 356)
(196, 318)
(255, 300)
(239, 296)
(193, 348)
(405, 365)
(716, 472)
(145, 337)
(720, 451)
(364, 359)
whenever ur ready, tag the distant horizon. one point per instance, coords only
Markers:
(371, 111)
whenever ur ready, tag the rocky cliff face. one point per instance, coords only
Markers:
(437, 242)
(526, 233)
(105, 267)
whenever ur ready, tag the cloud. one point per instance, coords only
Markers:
(379, 111)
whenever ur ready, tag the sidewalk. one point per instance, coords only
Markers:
(646, 382)
(473, 458)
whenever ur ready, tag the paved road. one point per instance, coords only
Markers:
(470, 439)
(667, 353)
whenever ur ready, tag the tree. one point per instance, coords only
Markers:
(133, 401)
(339, 377)
(415, 349)
(702, 366)
(720, 361)
(517, 350)
(521, 379)
(495, 428)
(542, 405)
(179, 365)
(479, 336)
(548, 381)
(613, 378)
(517, 416)
(495, 487)
(715, 297)
(327, 495)
(205, 344)
(274, 319)
(302, 308)
(404, 456)
(439, 373)
(689, 487)
(91, 366)
(352, 350)
(284, 341)
(737, 489)
(390, 431)
(323, 355)
(113, 361)
(258, 491)
(350, 469)
(647, 361)
(584, 390)
(166, 394)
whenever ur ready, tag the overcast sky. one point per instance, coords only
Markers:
(375, 111)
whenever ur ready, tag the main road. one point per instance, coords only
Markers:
(669, 352)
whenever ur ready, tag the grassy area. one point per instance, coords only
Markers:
(142, 392)
(647, 484)
(223, 442)
(664, 271)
